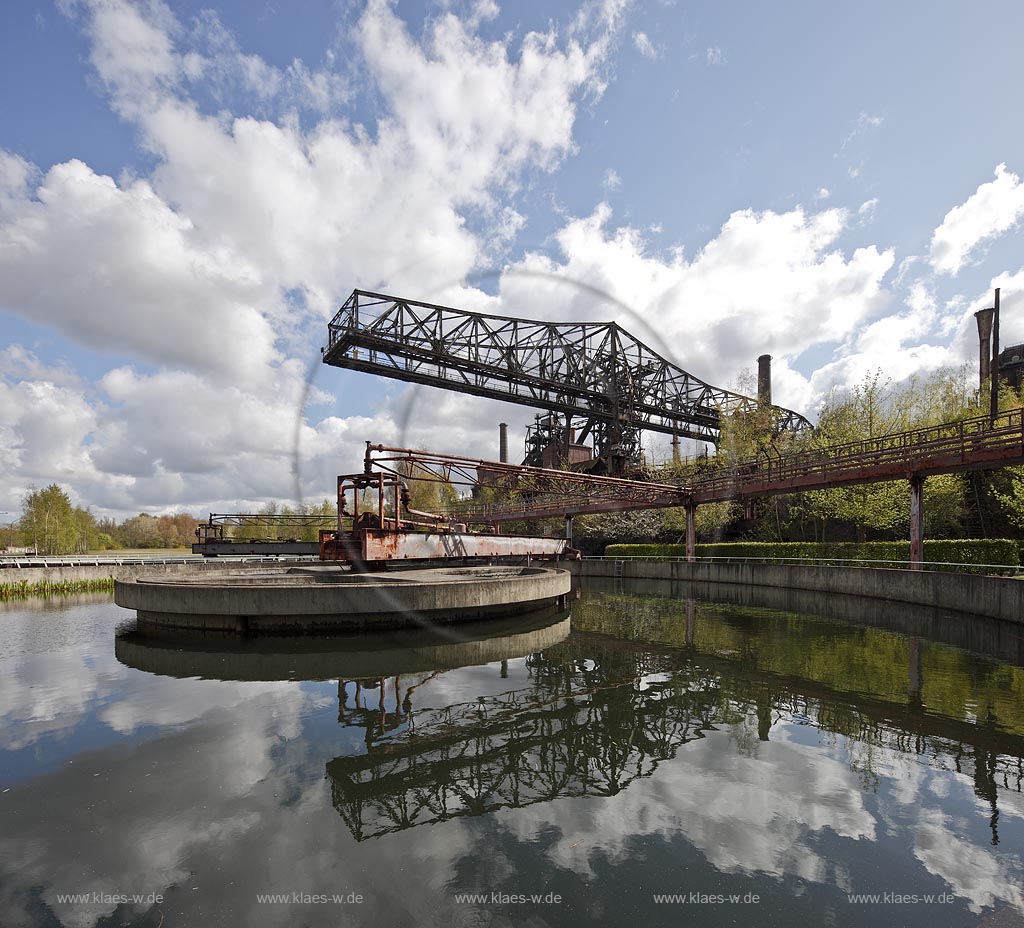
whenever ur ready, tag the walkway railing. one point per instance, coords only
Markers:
(21, 562)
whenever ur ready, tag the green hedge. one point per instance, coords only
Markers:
(999, 551)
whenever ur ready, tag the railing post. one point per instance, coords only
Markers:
(916, 522)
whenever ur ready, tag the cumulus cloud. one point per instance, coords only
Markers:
(133, 276)
(252, 226)
(212, 270)
(994, 208)
(798, 288)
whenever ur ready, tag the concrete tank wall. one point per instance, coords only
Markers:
(304, 603)
(113, 571)
(993, 597)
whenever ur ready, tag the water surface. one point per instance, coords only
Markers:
(765, 761)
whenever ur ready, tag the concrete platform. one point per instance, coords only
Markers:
(333, 599)
(362, 655)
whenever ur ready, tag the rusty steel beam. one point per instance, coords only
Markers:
(377, 525)
(574, 492)
(956, 447)
(391, 546)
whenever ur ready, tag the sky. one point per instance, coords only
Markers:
(189, 191)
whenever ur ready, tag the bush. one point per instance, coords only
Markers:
(958, 551)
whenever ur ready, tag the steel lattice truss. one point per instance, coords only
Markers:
(525, 492)
(272, 519)
(213, 529)
(532, 487)
(596, 371)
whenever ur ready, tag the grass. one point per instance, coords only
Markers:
(23, 589)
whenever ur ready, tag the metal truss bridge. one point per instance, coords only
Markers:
(595, 372)
(270, 525)
(275, 533)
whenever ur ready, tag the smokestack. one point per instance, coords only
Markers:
(503, 442)
(764, 379)
(994, 409)
(984, 318)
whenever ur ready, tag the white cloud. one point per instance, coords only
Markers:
(134, 275)
(715, 56)
(768, 282)
(994, 208)
(866, 210)
(216, 266)
(232, 76)
(252, 228)
(823, 193)
(644, 45)
(611, 180)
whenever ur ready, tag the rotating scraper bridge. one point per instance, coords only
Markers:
(598, 382)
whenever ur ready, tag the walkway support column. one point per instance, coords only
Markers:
(568, 529)
(691, 532)
(916, 522)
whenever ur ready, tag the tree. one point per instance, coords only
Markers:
(876, 407)
(48, 521)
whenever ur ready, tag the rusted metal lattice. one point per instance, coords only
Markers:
(598, 373)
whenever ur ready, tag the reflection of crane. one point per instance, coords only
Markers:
(596, 373)
(584, 727)
(605, 708)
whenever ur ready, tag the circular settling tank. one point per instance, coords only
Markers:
(332, 599)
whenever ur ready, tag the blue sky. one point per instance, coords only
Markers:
(188, 190)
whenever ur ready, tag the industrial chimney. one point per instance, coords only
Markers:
(764, 380)
(984, 318)
(503, 442)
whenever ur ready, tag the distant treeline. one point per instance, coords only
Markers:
(51, 525)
